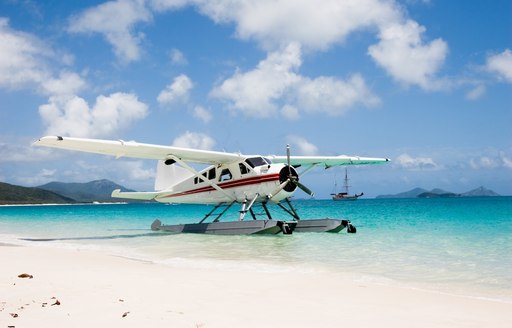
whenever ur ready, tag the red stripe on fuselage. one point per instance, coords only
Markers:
(230, 184)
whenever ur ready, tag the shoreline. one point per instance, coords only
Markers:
(98, 289)
(66, 204)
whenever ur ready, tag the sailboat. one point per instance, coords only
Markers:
(344, 195)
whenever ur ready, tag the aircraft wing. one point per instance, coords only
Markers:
(120, 148)
(328, 161)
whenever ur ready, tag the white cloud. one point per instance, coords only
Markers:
(402, 53)
(176, 92)
(25, 63)
(501, 64)
(72, 115)
(194, 140)
(47, 173)
(290, 112)
(164, 5)
(21, 58)
(136, 170)
(16, 150)
(255, 92)
(487, 159)
(274, 23)
(303, 146)
(68, 83)
(476, 93)
(333, 96)
(275, 84)
(202, 113)
(178, 58)
(507, 161)
(115, 20)
(416, 163)
(483, 162)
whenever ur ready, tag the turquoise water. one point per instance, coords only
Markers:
(461, 246)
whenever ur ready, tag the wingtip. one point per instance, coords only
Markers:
(46, 140)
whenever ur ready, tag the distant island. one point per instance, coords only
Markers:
(17, 195)
(60, 193)
(440, 193)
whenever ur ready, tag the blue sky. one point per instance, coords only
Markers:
(425, 83)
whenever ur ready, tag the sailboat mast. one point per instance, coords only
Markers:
(345, 185)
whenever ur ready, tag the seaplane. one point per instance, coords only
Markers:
(226, 179)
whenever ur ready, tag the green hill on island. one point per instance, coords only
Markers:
(17, 195)
(60, 193)
(440, 193)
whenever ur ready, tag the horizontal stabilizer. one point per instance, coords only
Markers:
(149, 195)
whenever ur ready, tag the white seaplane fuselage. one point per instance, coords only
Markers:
(254, 178)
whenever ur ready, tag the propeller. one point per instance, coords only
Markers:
(294, 178)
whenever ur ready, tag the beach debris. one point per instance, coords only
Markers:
(14, 315)
(44, 304)
(121, 300)
(11, 326)
(56, 302)
(125, 314)
(25, 275)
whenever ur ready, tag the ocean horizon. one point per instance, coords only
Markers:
(460, 246)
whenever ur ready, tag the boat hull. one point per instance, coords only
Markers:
(345, 196)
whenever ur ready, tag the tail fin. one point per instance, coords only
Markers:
(169, 175)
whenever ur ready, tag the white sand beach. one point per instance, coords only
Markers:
(74, 288)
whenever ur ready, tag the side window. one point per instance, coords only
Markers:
(198, 180)
(243, 168)
(225, 175)
(211, 174)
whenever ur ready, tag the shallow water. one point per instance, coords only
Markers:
(455, 245)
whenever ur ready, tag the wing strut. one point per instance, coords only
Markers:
(226, 208)
(245, 209)
(309, 168)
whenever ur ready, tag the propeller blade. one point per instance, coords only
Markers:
(278, 189)
(295, 179)
(304, 188)
(288, 159)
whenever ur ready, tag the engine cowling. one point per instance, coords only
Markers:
(289, 172)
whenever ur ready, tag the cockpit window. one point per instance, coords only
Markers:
(243, 168)
(257, 161)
